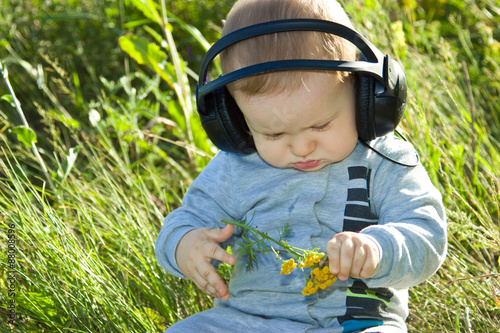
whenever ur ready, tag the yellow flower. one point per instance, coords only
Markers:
(312, 259)
(309, 289)
(306, 292)
(318, 257)
(307, 263)
(288, 267)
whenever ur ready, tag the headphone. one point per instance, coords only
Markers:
(381, 88)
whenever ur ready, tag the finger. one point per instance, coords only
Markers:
(205, 274)
(214, 251)
(371, 263)
(222, 235)
(333, 252)
(212, 283)
(346, 256)
(200, 277)
(358, 261)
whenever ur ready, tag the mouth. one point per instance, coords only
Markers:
(304, 165)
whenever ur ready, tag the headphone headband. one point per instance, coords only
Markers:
(299, 64)
(374, 66)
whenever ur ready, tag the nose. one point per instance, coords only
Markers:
(302, 147)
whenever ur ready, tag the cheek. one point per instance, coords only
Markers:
(342, 139)
(348, 127)
(271, 152)
(348, 136)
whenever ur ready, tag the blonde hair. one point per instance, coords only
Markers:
(283, 45)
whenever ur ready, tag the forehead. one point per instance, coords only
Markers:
(317, 98)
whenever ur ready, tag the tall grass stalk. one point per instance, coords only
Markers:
(184, 91)
(5, 74)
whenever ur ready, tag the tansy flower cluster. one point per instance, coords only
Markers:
(319, 276)
(288, 266)
(311, 259)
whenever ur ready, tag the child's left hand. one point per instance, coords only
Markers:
(352, 254)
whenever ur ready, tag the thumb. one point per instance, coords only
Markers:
(221, 235)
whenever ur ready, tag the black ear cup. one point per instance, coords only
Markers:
(397, 84)
(380, 107)
(224, 123)
(365, 107)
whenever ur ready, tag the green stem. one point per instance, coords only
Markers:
(263, 235)
(182, 92)
(4, 72)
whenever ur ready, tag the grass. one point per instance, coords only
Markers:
(122, 147)
(85, 262)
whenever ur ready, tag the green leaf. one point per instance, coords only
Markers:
(145, 53)
(157, 37)
(25, 135)
(148, 8)
(136, 23)
(8, 98)
(193, 32)
(69, 122)
(141, 50)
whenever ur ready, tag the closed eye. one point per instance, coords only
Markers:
(322, 127)
(273, 136)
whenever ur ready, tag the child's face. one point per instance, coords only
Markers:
(305, 129)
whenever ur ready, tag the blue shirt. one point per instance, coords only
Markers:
(397, 206)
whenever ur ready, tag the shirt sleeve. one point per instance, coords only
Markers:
(412, 226)
(208, 200)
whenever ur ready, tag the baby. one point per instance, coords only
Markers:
(297, 150)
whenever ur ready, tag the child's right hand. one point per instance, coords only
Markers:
(193, 255)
